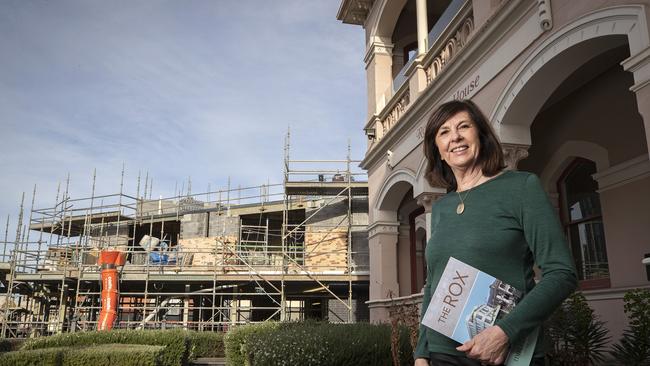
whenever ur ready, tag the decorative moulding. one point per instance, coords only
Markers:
(354, 11)
(377, 47)
(616, 293)
(544, 12)
(414, 299)
(624, 173)
(383, 227)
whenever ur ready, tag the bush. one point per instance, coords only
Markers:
(236, 341)
(103, 355)
(11, 344)
(577, 337)
(113, 355)
(44, 357)
(175, 341)
(206, 344)
(634, 347)
(313, 343)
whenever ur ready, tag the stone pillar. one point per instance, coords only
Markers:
(513, 153)
(639, 66)
(382, 245)
(422, 26)
(426, 199)
(379, 61)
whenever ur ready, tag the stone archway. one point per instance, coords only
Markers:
(393, 190)
(560, 55)
(389, 13)
(383, 240)
(542, 73)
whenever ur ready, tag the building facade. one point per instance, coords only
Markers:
(566, 85)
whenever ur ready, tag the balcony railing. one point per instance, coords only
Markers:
(449, 35)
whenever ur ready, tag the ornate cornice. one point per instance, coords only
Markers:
(544, 13)
(354, 11)
(383, 227)
(513, 154)
(624, 173)
(639, 65)
(377, 47)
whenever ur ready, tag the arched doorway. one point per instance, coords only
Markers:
(594, 109)
(572, 102)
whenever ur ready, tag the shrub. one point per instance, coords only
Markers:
(102, 355)
(634, 347)
(313, 343)
(175, 341)
(11, 344)
(206, 344)
(236, 341)
(114, 354)
(577, 337)
(44, 357)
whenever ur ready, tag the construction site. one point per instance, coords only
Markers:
(202, 261)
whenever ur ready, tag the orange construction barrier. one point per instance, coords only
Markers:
(109, 260)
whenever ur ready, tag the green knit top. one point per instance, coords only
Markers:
(507, 226)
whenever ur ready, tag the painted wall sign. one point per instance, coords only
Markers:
(467, 89)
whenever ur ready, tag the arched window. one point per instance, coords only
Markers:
(418, 238)
(583, 224)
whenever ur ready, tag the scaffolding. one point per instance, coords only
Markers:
(204, 261)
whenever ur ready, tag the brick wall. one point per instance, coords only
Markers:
(326, 249)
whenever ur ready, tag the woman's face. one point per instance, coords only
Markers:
(458, 141)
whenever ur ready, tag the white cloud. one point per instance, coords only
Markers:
(196, 88)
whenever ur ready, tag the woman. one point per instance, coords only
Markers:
(500, 222)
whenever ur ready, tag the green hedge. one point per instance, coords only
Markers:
(11, 344)
(101, 355)
(236, 341)
(44, 357)
(313, 343)
(206, 344)
(113, 355)
(176, 342)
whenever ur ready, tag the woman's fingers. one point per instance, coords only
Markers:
(490, 346)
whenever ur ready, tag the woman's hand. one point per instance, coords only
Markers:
(421, 362)
(489, 346)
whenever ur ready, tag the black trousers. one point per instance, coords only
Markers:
(442, 359)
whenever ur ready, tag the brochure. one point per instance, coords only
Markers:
(466, 301)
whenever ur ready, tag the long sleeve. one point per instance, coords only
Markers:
(547, 243)
(422, 349)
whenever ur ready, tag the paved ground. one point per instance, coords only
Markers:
(209, 362)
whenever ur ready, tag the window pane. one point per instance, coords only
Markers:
(582, 200)
(588, 245)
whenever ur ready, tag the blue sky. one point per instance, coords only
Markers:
(200, 89)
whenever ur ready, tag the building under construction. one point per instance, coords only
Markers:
(205, 261)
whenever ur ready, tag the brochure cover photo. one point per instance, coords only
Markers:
(466, 301)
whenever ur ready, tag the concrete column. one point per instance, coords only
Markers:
(422, 26)
(382, 245)
(417, 79)
(639, 66)
(426, 199)
(514, 153)
(379, 61)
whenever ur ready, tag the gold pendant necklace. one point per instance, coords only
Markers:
(461, 206)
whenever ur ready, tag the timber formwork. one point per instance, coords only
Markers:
(205, 261)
